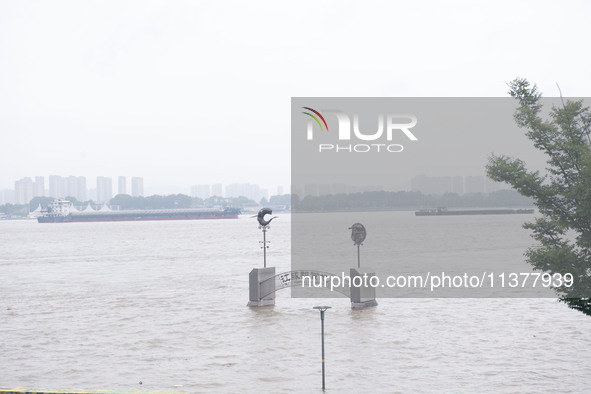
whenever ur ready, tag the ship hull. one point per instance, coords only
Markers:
(474, 212)
(134, 216)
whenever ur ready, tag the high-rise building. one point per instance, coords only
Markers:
(233, 190)
(57, 186)
(310, 189)
(279, 190)
(104, 189)
(252, 192)
(432, 184)
(217, 190)
(475, 184)
(62, 187)
(200, 191)
(122, 185)
(91, 194)
(297, 191)
(339, 188)
(457, 184)
(81, 188)
(6, 197)
(72, 187)
(137, 186)
(39, 186)
(23, 191)
(324, 189)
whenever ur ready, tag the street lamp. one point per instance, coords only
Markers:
(322, 309)
(264, 225)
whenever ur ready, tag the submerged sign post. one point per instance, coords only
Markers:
(358, 235)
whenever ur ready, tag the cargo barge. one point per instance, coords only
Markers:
(445, 212)
(62, 212)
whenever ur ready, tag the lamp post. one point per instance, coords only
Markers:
(322, 309)
(264, 228)
(264, 225)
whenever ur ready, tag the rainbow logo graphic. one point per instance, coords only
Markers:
(315, 118)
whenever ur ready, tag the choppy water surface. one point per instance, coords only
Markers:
(107, 305)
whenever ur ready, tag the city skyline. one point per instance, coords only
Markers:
(75, 186)
(150, 188)
(69, 186)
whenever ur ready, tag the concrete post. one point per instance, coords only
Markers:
(261, 294)
(363, 296)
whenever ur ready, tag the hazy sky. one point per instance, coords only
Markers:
(192, 92)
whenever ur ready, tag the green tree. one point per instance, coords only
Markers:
(196, 202)
(44, 201)
(124, 201)
(284, 199)
(14, 210)
(563, 195)
(73, 200)
(214, 201)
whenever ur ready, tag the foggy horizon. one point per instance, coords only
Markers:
(105, 89)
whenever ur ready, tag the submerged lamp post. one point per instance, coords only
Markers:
(264, 225)
(322, 309)
(264, 245)
(358, 235)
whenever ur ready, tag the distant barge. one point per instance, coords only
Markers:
(62, 212)
(445, 212)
